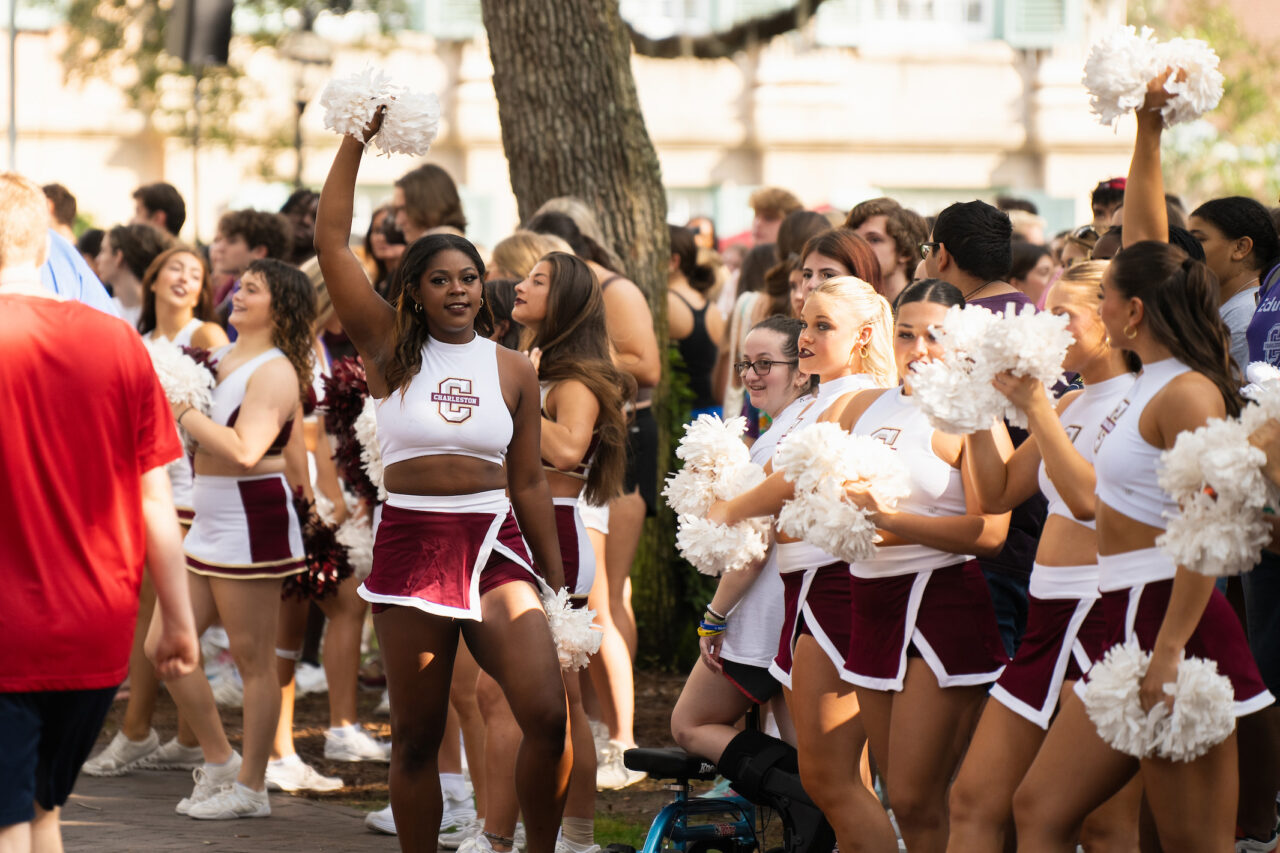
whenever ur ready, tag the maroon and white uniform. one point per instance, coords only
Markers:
(1065, 630)
(440, 553)
(1136, 585)
(244, 527)
(914, 598)
(576, 553)
(181, 474)
(815, 584)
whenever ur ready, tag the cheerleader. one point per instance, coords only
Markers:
(175, 306)
(245, 537)
(846, 342)
(733, 673)
(1161, 305)
(1064, 627)
(923, 643)
(453, 409)
(584, 456)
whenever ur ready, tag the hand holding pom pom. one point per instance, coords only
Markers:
(370, 107)
(1125, 68)
(575, 637)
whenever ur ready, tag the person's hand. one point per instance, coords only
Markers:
(1025, 392)
(535, 356)
(719, 513)
(1267, 439)
(177, 651)
(710, 647)
(855, 494)
(1163, 670)
(1157, 97)
(375, 124)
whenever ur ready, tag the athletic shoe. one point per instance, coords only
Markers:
(563, 846)
(209, 781)
(384, 704)
(457, 831)
(478, 843)
(172, 755)
(381, 821)
(522, 841)
(600, 735)
(1253, 845)
(611, 773)
(309, 678)
(121, 755)
(233, 801)
(354, 744)
(228, 689)
(286, 775)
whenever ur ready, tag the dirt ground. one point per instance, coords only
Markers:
(621, 815)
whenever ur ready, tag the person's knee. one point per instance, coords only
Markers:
(414, 745)
(1033, 812)
(826, 781)
(917, 804)
(971, 801)
(1108, 837)
(545, 719)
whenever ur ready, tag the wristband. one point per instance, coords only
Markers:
(185, 412)
(719, 616)
(709, 629)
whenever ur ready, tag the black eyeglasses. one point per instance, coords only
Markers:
(1085, 232)
(926, 249)
(761, 366)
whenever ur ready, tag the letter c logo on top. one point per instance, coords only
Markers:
(454, 401)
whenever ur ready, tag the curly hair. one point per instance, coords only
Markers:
(575, 345)
(259, 228)
(293, 310)
(204, 306)
(411, 334)
(906, 228)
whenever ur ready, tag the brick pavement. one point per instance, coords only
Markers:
(135, 813)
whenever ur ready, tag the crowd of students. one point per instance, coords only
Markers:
(927, 691)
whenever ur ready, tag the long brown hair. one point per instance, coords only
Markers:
(204, 306)
(410, 334)
(293, 310)
(1180, 306)
(851, 250)
(575, 345)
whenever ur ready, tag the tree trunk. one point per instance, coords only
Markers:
(572, 126)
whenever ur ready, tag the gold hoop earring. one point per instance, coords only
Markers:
(863, 350)
(417, 306)
(1131, 332)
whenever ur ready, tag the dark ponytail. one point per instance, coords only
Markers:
(1180, 307)
(933, 290)
(684, 246)
(1236, 217)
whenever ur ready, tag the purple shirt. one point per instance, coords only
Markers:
(1264, 329)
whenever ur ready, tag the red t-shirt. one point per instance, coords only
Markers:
(82, 417)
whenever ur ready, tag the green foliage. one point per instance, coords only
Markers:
(612, 829)
(1236, 149)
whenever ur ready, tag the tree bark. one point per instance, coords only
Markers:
(572, 126)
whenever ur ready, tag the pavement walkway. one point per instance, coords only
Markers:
(135, 813)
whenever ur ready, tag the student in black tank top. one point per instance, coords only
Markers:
(694, 323)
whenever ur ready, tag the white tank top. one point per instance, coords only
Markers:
(1081, 419)
(183, 338)
(937, 488)
(452, 407)
(801, 556)
(1125, 463)
(228, 394)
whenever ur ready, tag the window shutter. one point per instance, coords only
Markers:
(452, 20)
(1035, 24)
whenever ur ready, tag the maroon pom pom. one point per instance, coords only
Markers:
(327, 562)
(344, 391)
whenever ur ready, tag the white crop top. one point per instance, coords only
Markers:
(937, 488)
(1125, 463)
(1081, 419)
(228, 395)
(183, 338)
(452, 407)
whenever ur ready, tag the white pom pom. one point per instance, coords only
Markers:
(411, 121)
(1121, 64)
(709, 442)
(689, 492)
(410, 125)
(185, 381)
(350, 102)
(823, 460)
(356, 535)
(1263, 389)
(366, 430)
(1203, 706)
(1215, 537)
(575, 636)
(714, 548)
(955, 390)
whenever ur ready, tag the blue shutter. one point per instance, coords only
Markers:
(452, 20)
(1036, 24)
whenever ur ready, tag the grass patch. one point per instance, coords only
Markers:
(611, 829)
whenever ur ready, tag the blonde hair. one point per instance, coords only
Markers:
(869, 309)
(1082, 281)
(24, 221)
(518, 254)
(585, 218)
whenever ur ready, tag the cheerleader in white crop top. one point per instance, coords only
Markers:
(246, 536)
(449, 556)
(1065, 628)
(1161, 306)
(847, 340)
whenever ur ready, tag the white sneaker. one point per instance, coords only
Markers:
(209, 781)
(233, 801)
(172, 755)
(611, 773)
(381, 821)
(1253, 845)
(600, 735)
(228, 689)
(284, 774)
(477, 843)
(384, 706)
(354, 744)
(522, 841)
(309, 678)
(121, 755)
(457, 832)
